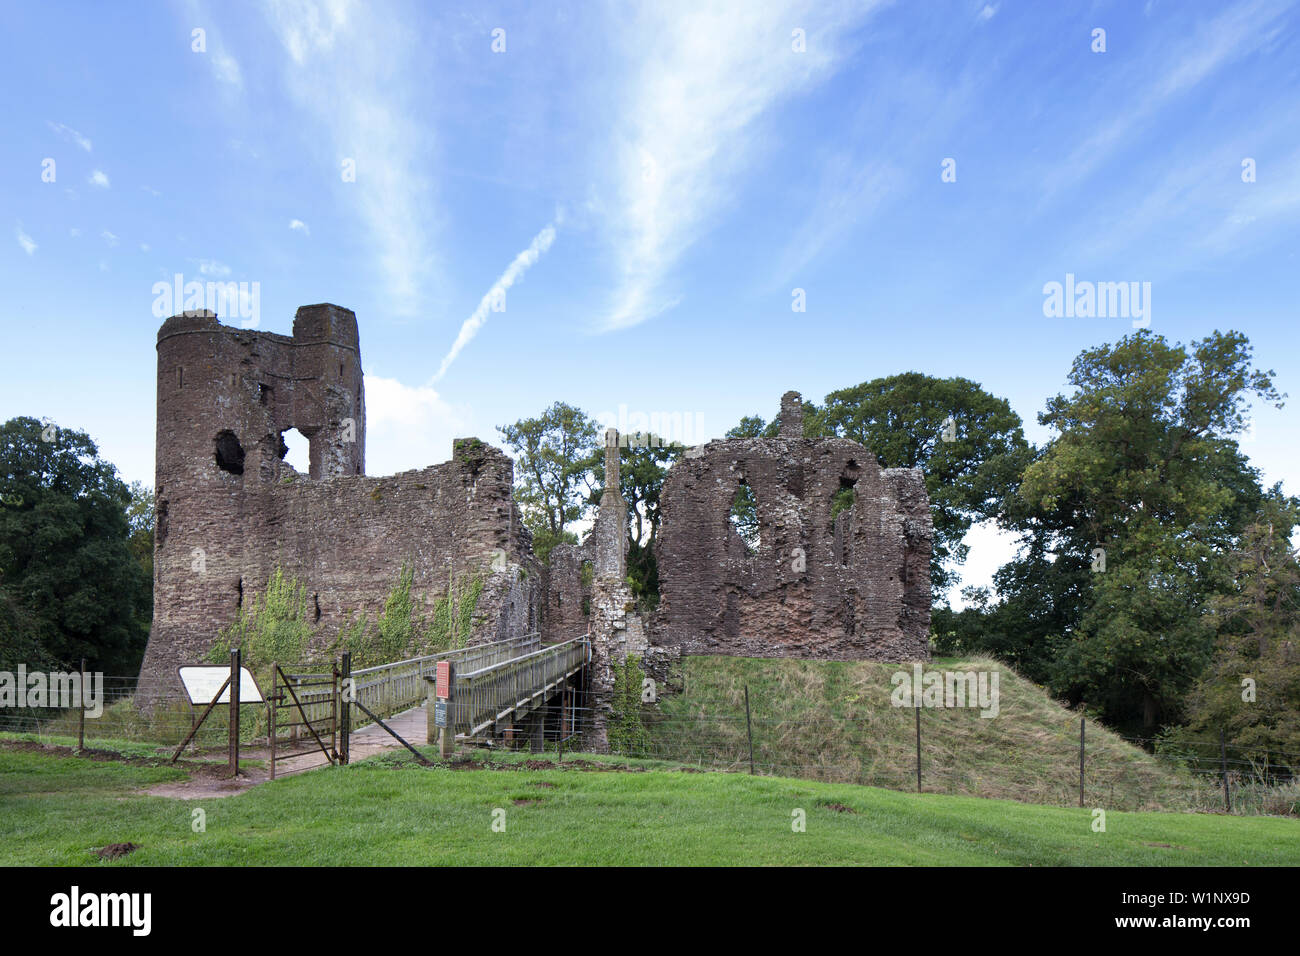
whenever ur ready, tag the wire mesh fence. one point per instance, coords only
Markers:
(958, 752)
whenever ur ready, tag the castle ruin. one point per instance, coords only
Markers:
(230, 510)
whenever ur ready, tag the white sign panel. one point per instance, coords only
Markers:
(202, 681)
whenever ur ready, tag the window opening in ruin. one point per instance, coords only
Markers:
(229, 453)
(160, 522)
(295, 449)
(843, 502)
(264, 393)
(180, 378)
(743, 517)
(239, 594)
(315, 599)
(586, 577)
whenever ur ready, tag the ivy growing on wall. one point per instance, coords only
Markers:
(626, 731)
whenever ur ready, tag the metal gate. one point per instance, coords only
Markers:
(304, 710)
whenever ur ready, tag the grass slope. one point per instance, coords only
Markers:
(56, 810)
(832, 720)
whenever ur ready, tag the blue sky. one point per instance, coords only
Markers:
(653, 180)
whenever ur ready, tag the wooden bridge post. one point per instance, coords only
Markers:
(447, 734)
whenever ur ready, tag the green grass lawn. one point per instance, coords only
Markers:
(388, 811)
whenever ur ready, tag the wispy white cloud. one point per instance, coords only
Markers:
(109, 237)
(988, 11)
(1232, 34)
(342, 69)
(26, 241)
(299, 226)
(851, 189)
(407, 426)
(704, 75)
(99, 178)
(226, 68)
(213, 267)
(495, 296)
(68, 133)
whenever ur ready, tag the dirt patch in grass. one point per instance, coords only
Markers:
(839, 808)
(206, 778)
(115, 850)
(525, 801)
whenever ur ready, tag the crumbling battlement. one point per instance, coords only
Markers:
(230, 510)
(854, 587)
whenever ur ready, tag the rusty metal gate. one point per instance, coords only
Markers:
(304, 711)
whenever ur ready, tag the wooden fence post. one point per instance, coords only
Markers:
(1223, 758)
(234, 712)
(749, 732)
(345, 719)
(918, 746)
(270, 714)
(81, 718)
(1082, 720)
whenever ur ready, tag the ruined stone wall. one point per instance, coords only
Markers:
(230, 509)
(566, 609)
(847, 589)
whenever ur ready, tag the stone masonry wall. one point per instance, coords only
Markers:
(230, 509)
(854, 588)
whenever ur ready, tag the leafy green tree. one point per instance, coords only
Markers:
(1251, 691)
(968, 443)
(554, 453)
(70, 586)
(139, 518)
(1145, 487)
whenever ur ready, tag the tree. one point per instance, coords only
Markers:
(139, 519)
(968, 443)
(70, 586)
(1251, 691)
(1144, 486)
(554, 452)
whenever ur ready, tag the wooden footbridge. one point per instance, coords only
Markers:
(488, 692)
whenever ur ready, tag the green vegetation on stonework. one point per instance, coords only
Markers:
(833, 720)
(276, 626)
(625, 730)
(55, 810)
(269, 627)
(403, 630)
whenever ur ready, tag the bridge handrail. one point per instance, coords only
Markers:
(486, 695)
(396, 686)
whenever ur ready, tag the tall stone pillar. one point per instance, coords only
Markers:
(616, 630)
(791, 417)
